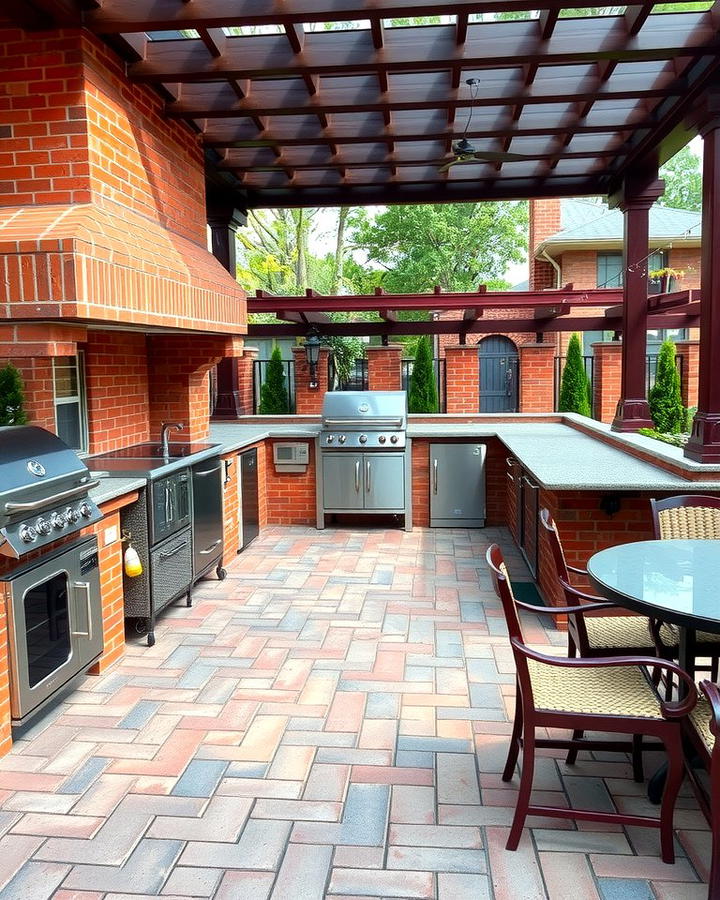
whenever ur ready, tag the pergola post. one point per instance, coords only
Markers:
(224, 222)
(704, 443)
(635, 198)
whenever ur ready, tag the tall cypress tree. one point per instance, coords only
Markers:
(665, 398)
(574, 386)
(12, 411)
(422, 394)
(273, 393)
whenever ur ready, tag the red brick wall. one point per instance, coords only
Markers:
(689, 351)
(37, 376)
(537, 378)
(384, 367)
(544, 221)
(116, 368)
(308, 401)
(290, 495)
(606, 379)
(462, 377)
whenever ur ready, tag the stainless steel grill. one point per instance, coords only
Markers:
(364, 453)
(364, 420)
(43, 490)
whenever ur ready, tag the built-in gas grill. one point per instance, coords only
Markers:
(43, 490)
(364, 452)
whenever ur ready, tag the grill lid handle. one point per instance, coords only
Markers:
(11, 507)
(387, 421)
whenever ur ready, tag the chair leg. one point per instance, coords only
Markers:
(714, 660)
(572, 753)
(637, 760)
(514, 748)
(675, 772)
(526, 780)
(714, 886)
(572, 648)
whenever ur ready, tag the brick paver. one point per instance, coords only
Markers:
(329, 721)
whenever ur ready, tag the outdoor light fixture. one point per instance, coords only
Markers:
(312, 353)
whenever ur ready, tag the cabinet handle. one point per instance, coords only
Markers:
(435, 476)
(367, 475)
(357, 477)
(207, 471)
(85, 586)
(211, 547)
(228, 466)
(166, 554)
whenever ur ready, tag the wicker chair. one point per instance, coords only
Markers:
(704, 731)
(598, 694)
(688, 517)
(599, 635)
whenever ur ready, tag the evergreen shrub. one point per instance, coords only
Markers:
(12, 399)
(666, 406)
(422, 393)
(273, 393)
(575, 385)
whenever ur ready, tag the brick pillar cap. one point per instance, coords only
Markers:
(380, 347)
(301, 349)
(251, 351)
(617, 344)
(534, 345)
(687, 343)
(460, 347)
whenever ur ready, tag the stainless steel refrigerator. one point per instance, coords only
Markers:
(457, 485)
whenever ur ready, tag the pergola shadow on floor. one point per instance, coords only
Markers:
(331, 720)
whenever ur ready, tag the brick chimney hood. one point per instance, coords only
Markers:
(102, 207)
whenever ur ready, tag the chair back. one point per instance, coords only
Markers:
(503, 589)
(548, 524)
(688, 516)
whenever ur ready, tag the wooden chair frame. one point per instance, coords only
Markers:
(528, 719)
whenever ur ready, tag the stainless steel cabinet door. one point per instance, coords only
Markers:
(457, 485)
(384, 476)
(207, 513)
(342, 480)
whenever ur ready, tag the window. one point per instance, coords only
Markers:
(610, 269)
(69, 400)
(656, 261)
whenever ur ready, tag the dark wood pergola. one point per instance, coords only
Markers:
(325, 102)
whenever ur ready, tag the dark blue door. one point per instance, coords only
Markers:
(498, 374)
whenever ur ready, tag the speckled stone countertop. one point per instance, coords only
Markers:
(112, 487)
(558, 456)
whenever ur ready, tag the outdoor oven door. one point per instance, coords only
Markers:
(54, 623)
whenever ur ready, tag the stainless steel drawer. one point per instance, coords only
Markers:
(171, 568)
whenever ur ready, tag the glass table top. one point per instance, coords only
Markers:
(680, 578)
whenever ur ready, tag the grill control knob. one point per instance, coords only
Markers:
(85, 510)
(342, 438)
(363, 439)
(27, 533)
(382, 439)
(330, 438)
(71, 515)
(393, 439)
(42, 526)
(57, 521)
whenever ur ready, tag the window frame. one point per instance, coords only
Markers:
(80, 399)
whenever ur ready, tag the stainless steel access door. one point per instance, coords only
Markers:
(457, 485)
(384, 481)
(343, 481)
(54, 624)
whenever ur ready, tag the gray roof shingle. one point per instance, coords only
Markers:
(583, 220)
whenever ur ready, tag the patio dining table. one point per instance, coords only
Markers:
(677, 581)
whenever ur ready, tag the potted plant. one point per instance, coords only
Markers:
(667, 278)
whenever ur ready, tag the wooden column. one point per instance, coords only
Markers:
(704, 443)
(224, 222)
(635, 198)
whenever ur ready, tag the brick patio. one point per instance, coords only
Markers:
(329, 721)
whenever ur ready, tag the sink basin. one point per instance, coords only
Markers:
(153, 451)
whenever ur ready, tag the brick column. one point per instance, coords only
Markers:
(462, 378)
(384, 367)
(689, 352)
(308, 401)
(537, 378)
(606, 379)
(246, 380)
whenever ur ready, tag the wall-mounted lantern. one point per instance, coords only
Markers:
(312, 353)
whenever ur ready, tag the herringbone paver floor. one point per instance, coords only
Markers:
(329, 721)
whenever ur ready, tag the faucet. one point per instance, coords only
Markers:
(165, 435)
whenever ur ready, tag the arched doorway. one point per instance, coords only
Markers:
(498, 359)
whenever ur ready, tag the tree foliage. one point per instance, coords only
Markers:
(273, 393)
(422, 393)
(574, 385)
(454, 245)
(666, 406)
(12, 398)
(683, 181)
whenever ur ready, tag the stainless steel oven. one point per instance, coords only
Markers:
(170, 509)
(54, 623)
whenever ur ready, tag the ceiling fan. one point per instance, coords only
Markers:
(464, 152)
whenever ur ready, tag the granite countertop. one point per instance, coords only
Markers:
(235, 437)
(112, 487)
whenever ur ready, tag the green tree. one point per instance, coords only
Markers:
(273, 393)
(683, 182)
(666, 406)
(574, 391)
(456, 246)
(422, 395)
(12, 398)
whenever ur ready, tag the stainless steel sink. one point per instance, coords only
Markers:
(152, 450)
(147, 459)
